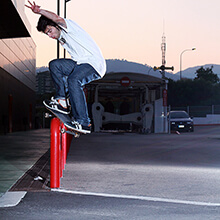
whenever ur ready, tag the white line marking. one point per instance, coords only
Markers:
(143, 198)
(10, 199)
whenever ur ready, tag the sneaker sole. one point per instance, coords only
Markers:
(52, 109)
(80, 131)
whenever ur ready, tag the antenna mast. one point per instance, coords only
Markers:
(163, 48)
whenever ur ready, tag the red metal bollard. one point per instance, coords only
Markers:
(59, 147)
(63, 146)
(66, 141)
(69, 140)
(55, 153)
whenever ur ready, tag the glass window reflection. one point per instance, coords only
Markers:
(17, 57)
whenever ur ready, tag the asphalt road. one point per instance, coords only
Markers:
(133, 176)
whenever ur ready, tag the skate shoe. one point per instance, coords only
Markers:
(73, 125)
(59, 105)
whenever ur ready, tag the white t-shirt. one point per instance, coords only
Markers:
(82, 47)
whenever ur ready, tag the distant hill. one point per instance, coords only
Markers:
(127, 66)
(190, 72)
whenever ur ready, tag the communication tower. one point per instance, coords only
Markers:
(163, 49)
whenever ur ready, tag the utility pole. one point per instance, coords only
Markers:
(162, 71)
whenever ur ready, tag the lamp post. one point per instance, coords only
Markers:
(58, 45)
(65, 1)
(181, 60)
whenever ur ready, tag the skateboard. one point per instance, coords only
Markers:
(64, 118)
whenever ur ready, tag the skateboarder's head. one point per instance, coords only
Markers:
(48, 27)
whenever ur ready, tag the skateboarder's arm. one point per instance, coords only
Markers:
(54, 17)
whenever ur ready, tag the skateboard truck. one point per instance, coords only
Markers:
(75, 134)
(63, 118)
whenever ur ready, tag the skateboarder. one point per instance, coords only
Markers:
(70, 75)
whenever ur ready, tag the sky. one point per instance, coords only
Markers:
(133, 30)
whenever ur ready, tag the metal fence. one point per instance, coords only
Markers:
(199, 111)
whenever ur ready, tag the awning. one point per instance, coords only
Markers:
(11, 24)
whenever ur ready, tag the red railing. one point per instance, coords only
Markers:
(59, 148)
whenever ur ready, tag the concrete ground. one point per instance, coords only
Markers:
(133, 176)
(19, 152)
(174, 167)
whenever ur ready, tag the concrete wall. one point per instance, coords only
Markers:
(208, 120)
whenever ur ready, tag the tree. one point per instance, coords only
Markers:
(203, 90)
(207, 75)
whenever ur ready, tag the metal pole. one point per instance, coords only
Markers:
(169, 125)
(64, 51)
(58, 45)
(181, 65)
(181, 60)
(65, 1)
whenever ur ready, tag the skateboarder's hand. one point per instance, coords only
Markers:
(35, 8)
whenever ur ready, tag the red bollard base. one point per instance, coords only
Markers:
(55, 153)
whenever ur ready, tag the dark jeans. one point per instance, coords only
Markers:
(70, 77)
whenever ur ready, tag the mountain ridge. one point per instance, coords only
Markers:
(116, 65)
(191, 71)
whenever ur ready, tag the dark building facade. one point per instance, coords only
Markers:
(44, 83)
(17, 68)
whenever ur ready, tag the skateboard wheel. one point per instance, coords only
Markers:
(63, 130)
(47, 115)
(76, 135)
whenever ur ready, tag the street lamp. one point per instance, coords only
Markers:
(181, 60)
(58, 45)
(65, 1)
(58, 13)
(65, 7)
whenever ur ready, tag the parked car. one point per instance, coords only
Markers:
(180, 121)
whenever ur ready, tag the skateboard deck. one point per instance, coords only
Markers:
(65, 118)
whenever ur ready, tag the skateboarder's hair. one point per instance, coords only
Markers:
(43, 22)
